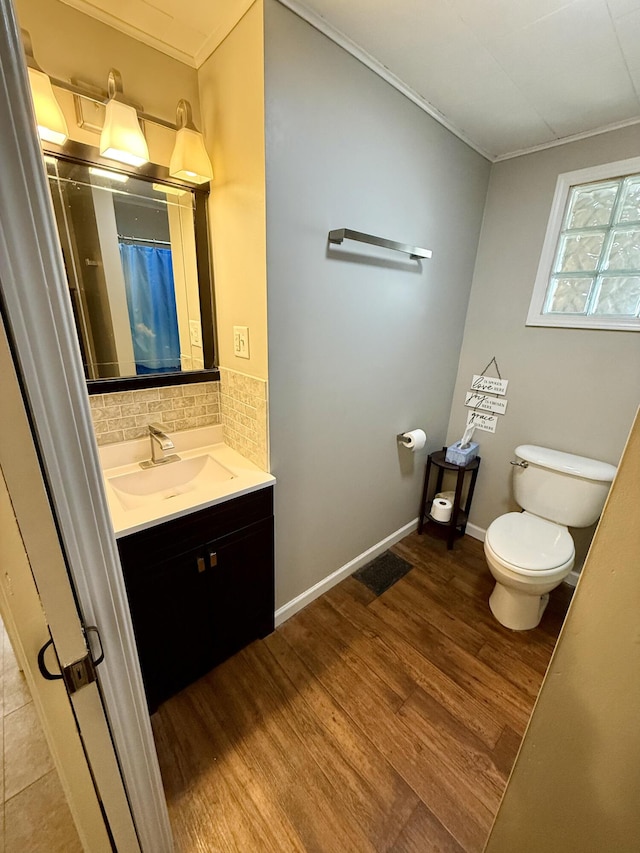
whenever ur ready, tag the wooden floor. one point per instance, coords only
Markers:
(363, 723)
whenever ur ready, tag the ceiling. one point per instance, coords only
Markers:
(505, 75)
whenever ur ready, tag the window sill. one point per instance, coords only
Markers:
(572, 321)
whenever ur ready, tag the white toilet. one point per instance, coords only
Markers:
(529, 553)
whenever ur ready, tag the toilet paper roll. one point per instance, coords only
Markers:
(441, 509)
(415, 439)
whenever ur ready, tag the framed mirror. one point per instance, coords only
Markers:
(135, 247)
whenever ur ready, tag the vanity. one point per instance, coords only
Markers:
(194, 531)
(195, 539)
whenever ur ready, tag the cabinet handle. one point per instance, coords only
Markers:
(213, 559)
(202, 566)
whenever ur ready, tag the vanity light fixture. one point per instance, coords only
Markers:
(122, 138)
(50, 120)
(189, 161)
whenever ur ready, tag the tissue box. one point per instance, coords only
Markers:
(458, 456)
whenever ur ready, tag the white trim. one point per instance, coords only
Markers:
(572, 578)
(40, 323)
(476, 532)
(565, 140)
(98, 14)
(565, 181)
(378, 68)
(231, 19)
(381, 70)
(291, 607)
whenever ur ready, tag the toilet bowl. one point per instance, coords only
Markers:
(528, 557)
(530, 553)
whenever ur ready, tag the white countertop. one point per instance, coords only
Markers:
(124, 458)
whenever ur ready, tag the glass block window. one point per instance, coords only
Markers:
(589, 273)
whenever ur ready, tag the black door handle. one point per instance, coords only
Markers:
(53, 676)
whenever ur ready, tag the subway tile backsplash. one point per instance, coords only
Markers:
(243, 407)
(238, 401)
(123, 415)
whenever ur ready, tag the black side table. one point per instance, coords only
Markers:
(457, 524)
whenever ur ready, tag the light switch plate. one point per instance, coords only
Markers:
(195, 333)
(241, 341)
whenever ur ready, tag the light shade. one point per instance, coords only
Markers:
(190, 161)
(122, 138)
(50, 120)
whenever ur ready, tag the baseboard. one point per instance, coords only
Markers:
(291, 607)
(476, 532)
(572, 578)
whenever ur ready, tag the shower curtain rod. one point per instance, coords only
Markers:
(144, 240)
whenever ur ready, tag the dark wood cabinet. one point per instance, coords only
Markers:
(200, 588)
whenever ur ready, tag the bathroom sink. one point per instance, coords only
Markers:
(153, 485)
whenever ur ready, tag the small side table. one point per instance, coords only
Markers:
(457, 524)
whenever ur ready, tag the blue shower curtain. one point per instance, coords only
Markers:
(148, 277)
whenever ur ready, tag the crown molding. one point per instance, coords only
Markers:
(565, 140)
(378, 68)
(128, 29)
(232, 15)
(236, 10)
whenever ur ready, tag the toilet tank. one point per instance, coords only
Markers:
(561, 487)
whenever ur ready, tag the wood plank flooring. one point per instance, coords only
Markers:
(362, 723)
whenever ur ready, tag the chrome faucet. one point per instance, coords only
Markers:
(160, 442)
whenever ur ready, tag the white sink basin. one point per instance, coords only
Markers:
(153, 485)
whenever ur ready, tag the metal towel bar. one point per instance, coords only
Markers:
(341, 234)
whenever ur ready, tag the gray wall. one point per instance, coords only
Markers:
(571, 389)
(359, 349)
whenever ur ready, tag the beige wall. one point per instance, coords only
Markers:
(232, 97)
(570, 389)
(576, 782)
(68, 44)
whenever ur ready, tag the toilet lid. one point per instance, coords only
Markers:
(530, 542)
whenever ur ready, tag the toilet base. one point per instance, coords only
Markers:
(517, 610)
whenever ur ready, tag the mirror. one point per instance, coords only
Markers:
(138, 273)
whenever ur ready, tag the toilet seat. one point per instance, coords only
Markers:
(530, 545)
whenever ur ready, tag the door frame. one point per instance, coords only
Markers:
(41, 331)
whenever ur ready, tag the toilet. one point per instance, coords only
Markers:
(530, 553)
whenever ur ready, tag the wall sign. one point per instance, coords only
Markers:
(475, 400)
(481, 420)
(489, 384)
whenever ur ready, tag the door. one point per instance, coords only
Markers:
(37, 604)
(41, 343)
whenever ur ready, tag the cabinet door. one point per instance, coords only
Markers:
(242, 587)
(171, 612)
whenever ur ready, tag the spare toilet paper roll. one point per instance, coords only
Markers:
(415, 439)
(441, 509)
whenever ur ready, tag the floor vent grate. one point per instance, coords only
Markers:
(383, 572)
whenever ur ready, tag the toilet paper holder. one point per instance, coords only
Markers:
(413, 439)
